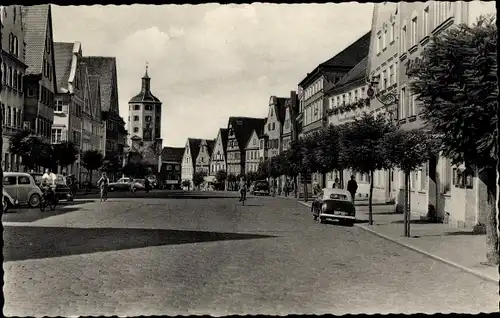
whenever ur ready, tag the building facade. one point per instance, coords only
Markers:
(40, 84)
(69, 100)
(171, 162)
(274, 125)
(204, 156)
(115, 135)
(218, 160)
(252, 151)
(433, 186)
(239, 131)
(13, 67)
(191, 150)
(289, 132)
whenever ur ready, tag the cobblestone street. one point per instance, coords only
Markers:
(145, 256)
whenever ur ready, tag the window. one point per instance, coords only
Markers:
(56, 135)
(393, 31)
(9, 180)
(425, 21)
(20, 82)
(148, 118)
(384, 79)
(136, 129)
(9, 116)
(402, 105)
(274, 126)
(136, 118)
(148, 107)
(137, 107)
(59, 106)
(414, 31)
(23, 180)
(4, 69)
(403, 39)
(391, 75)
(362, 92)
(379, 42)
(411, 110)
(10, 77)
(384, 39)
(157, 119)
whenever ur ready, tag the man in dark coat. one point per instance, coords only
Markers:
(352, 187)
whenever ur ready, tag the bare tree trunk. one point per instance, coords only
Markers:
(492, 255)
(295, 192)
(370, 200)
(406, 204)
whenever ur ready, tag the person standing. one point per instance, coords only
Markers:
(352, 187)
(243, 189)
(336, 184)
(103, 184)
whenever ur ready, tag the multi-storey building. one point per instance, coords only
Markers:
(188, 166)
(13, 67)
(313, 102)
(204, 155)
(239, 131)
(115, 135)
(170, 171)
(252, 149)
(40, 84)
(274, 125)
(69, 99)
(289, 132)
(432, 186)
(347, 100)
(263, 145)
(144, 120)
(218, 160)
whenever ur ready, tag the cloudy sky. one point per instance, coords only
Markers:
(209, 62)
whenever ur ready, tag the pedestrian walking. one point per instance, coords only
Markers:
(336, 184)
(352, 187)
(103, 185)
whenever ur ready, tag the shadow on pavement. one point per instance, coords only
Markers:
(373, 204)
(31, 215)
(163, 194)
(415, 222)
(23, 242)
(69, 203)
(252, 204)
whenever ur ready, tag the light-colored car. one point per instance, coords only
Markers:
(137, 184)
(123, 184)
(22, 188)
(336, 205)
(7, 202)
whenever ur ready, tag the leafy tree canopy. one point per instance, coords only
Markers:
(92, 159)
(231, 177)
(221, 175)
(457, 83)
(327, 151)
(136, 169)
(198, 178)
(65, 153)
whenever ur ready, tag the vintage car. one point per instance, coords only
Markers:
(62, 190)
(126, 184)
(21, 187)
(260, 187)
(137, 184)
(7, 202)
(335, 205)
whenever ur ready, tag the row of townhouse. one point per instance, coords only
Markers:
(240, 147)
(53, 90)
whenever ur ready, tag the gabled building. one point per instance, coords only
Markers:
(170, 171)
(312, 88)
(191, 150)
(239, 131)
(204, 155)
(289, 131)
(115, 134)
(252, 149)
(13, 67)
(218, 160)
(40, 84)
(70, 96)
(274, 125)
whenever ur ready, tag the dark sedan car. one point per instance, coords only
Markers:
(62, 189)
(260, 187)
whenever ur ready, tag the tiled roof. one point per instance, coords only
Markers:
(172, 154)
(144, 97)
(348, 57)
(63, 55)
(280, 109)
(244, 127)
(356, 73)
(194, 148)
(224, 134)
(210, 147)
(35, 20)
(105, 68)
(94, 89)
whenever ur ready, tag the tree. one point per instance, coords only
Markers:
(47, 156)
(65, 153)
(198, 178)
(186, 184)
(263, 170)
(251, 176)
(30, 147)
(458, 86)
(408, 150)
(221, 176)
(308, 163)
(91, 160)
(231, 178)
(136, 169)
(362, 148)
(326, 152)
(111, 164)
(292, 160)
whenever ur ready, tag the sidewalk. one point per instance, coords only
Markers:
(454, 246)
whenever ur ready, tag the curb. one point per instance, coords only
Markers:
(463, 268)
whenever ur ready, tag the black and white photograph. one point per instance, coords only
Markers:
(249, 158)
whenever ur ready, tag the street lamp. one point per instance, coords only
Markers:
(386, 99)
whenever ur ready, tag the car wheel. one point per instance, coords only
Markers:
(34, 200)
(5, 205)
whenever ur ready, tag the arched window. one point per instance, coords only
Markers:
(16, 46)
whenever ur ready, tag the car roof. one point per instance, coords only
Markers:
(328, 191)
(15, 174)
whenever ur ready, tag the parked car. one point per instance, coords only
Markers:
(22, 188)
(336, 205)
(62, 190)
(7, 202)
(137, 184)
(259, 187)
(123, 184)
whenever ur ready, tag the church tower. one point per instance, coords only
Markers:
(144, 124)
